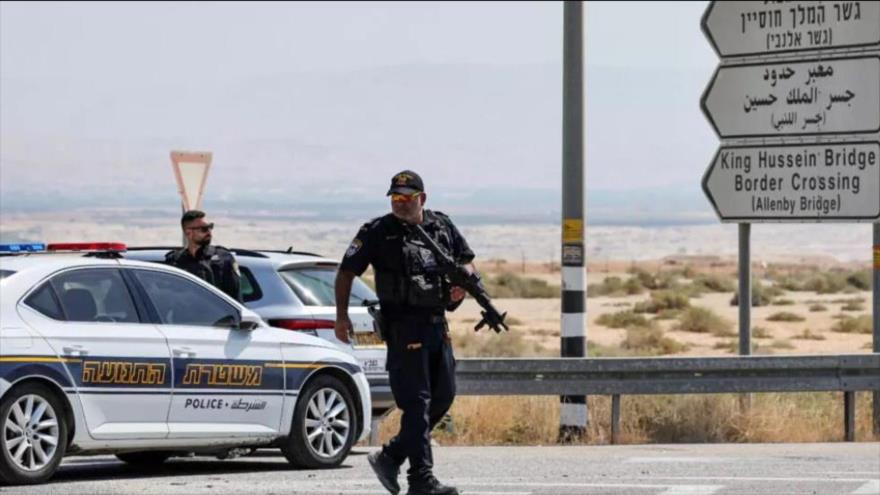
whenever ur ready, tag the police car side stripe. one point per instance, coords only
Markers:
(37, 359)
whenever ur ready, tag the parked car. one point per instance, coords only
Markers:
(295, 291)
(100, 354)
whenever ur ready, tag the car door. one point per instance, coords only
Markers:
(228, 382)
(119, 361)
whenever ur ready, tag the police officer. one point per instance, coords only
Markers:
(213, 264)
(413, 299)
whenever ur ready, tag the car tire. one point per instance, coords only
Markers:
(144, 459)
(324, 425)
(33, 434)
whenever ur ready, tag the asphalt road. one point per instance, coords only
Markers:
(757, 469)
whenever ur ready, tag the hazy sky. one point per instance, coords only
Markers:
(78, 73)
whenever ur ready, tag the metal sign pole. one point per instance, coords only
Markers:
(573, 416)
(745, 289)
(876, 313)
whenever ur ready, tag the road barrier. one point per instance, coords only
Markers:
(693, 375)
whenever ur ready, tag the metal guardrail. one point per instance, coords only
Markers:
(698, 375)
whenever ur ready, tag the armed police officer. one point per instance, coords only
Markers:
(213, 264)
(413, 297)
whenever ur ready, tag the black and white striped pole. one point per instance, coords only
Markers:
(573, 416)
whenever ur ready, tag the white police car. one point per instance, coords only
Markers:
(106, 355)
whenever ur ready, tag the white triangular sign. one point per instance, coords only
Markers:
(191, 172)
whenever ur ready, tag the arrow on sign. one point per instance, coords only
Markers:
(796, 183)
(760, 28)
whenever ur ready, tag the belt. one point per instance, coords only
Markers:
(430, 318)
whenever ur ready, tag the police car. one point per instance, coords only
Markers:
(100, 354)
(294, 290)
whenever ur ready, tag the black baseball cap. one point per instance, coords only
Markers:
(406, 182)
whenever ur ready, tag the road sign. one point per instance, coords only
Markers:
(805, 182)
(763, 28)
(191, 172)
(824, 96)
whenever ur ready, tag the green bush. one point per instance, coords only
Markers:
(508, 285)
(785, 316)
(662, 300)
(702, 320)
(622, 319)
(861, 324)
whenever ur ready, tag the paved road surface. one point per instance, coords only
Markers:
(765, 469)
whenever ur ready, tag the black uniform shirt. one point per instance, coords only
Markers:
(213, 264)
(380, 242)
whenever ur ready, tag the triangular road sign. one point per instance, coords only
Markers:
(191, 172)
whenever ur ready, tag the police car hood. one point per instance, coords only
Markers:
(291, 338)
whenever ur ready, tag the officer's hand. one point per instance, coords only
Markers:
(456, 293)
(342, 328)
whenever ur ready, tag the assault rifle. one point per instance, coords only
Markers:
(459, 276)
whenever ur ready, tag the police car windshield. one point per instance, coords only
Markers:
(6, 273)
(314, 286)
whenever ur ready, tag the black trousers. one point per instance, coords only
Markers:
(421, 370)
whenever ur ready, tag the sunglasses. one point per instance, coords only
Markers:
(203, 229)
(405, 197)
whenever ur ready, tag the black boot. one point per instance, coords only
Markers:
(430, 486)
(386, 470)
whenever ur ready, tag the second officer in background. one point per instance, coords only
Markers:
(213, 264)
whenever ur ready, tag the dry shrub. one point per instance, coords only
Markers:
(508, 285)
(615, 287)
(781, 344)
(785, 316)
(783, 302)
(650, 341)
(852, 307)
(622, 319)
(714, 283)
(761, 295)
(808, 334)
(487, 343)
(847, 324)
(702, 320)
(772, 417)
(663, 300)
(815, 308)
(761, 333)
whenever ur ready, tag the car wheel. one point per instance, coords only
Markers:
(324, 425)
(144, 459)
(33, 434)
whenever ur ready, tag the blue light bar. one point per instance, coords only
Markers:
(33, 247)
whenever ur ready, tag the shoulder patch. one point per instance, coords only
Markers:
(353, 248)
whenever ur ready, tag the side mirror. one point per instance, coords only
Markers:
(249, 322)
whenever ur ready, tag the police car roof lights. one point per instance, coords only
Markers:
(87, 246)
(30, 247)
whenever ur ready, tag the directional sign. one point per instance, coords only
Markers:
(807, 182)
(191, 172)
(807, 98)
(761, 28)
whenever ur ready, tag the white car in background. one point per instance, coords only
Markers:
(100, 354)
